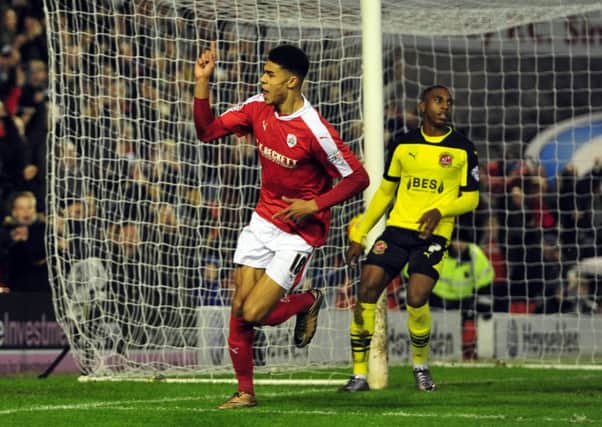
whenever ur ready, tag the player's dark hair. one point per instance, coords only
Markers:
(429, 89)
(290, 58)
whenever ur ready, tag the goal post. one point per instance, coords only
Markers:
(374, 157)
(143, 219)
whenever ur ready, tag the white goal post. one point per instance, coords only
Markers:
(143, 218)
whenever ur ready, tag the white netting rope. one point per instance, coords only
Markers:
(144, 219)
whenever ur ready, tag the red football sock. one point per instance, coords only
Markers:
(240, 342)
(287, 307)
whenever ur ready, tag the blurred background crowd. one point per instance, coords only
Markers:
(140, 205)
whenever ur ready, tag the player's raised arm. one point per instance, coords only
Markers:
(203, 70)
(208, 127)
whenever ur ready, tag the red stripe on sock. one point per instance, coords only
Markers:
(240, 342)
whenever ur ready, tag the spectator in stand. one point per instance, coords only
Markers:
(576, 200)
(33, 112)
(504, 173)
(12, 78)
(525, 219)
(174, 248)
(212, 290)
(8, 27)
(33, 99)
(579, 205)
(166, 171)
(133, 279)
(32, 41)
(12, 155)
(22, 238)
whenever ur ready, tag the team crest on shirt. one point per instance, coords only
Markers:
(379, 247)
(291, 140)
(445, 159)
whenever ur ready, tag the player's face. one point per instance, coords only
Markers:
(436, 108)
(275, 83)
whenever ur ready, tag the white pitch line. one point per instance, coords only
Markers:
(92, 405)
(258, 381)
(111, 404)
(136, 404)
(117, 406)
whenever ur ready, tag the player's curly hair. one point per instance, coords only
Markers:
(290, 58)
(429, 89)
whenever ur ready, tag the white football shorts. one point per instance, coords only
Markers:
(283, 256)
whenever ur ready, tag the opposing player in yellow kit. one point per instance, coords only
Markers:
(432, 174)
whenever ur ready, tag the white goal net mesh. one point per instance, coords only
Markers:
(144, 218)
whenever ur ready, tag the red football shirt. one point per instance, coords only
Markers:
(300, 154)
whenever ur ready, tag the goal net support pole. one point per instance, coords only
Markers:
(374, 162)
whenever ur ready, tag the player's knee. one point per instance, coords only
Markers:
(237, 305)
(416, 301)
(418, 297)
(252, 314)
(364, 293)
(369, 291)
(373, 282)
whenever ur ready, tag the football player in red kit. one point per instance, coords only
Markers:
(300, 154)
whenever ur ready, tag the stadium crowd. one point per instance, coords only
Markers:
(138, 202)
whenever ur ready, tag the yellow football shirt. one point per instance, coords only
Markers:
(431, 171)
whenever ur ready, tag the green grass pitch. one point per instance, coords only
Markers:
(496, 396)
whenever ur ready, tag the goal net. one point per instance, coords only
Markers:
(143, 218)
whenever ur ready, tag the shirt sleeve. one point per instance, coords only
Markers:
(339, 162)
(345, 189)
(471, 175)
(468, 201)
(378, 205)
(392, 169)
(208, 128)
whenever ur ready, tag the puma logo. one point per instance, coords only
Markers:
(432, 249)
(412, 155)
